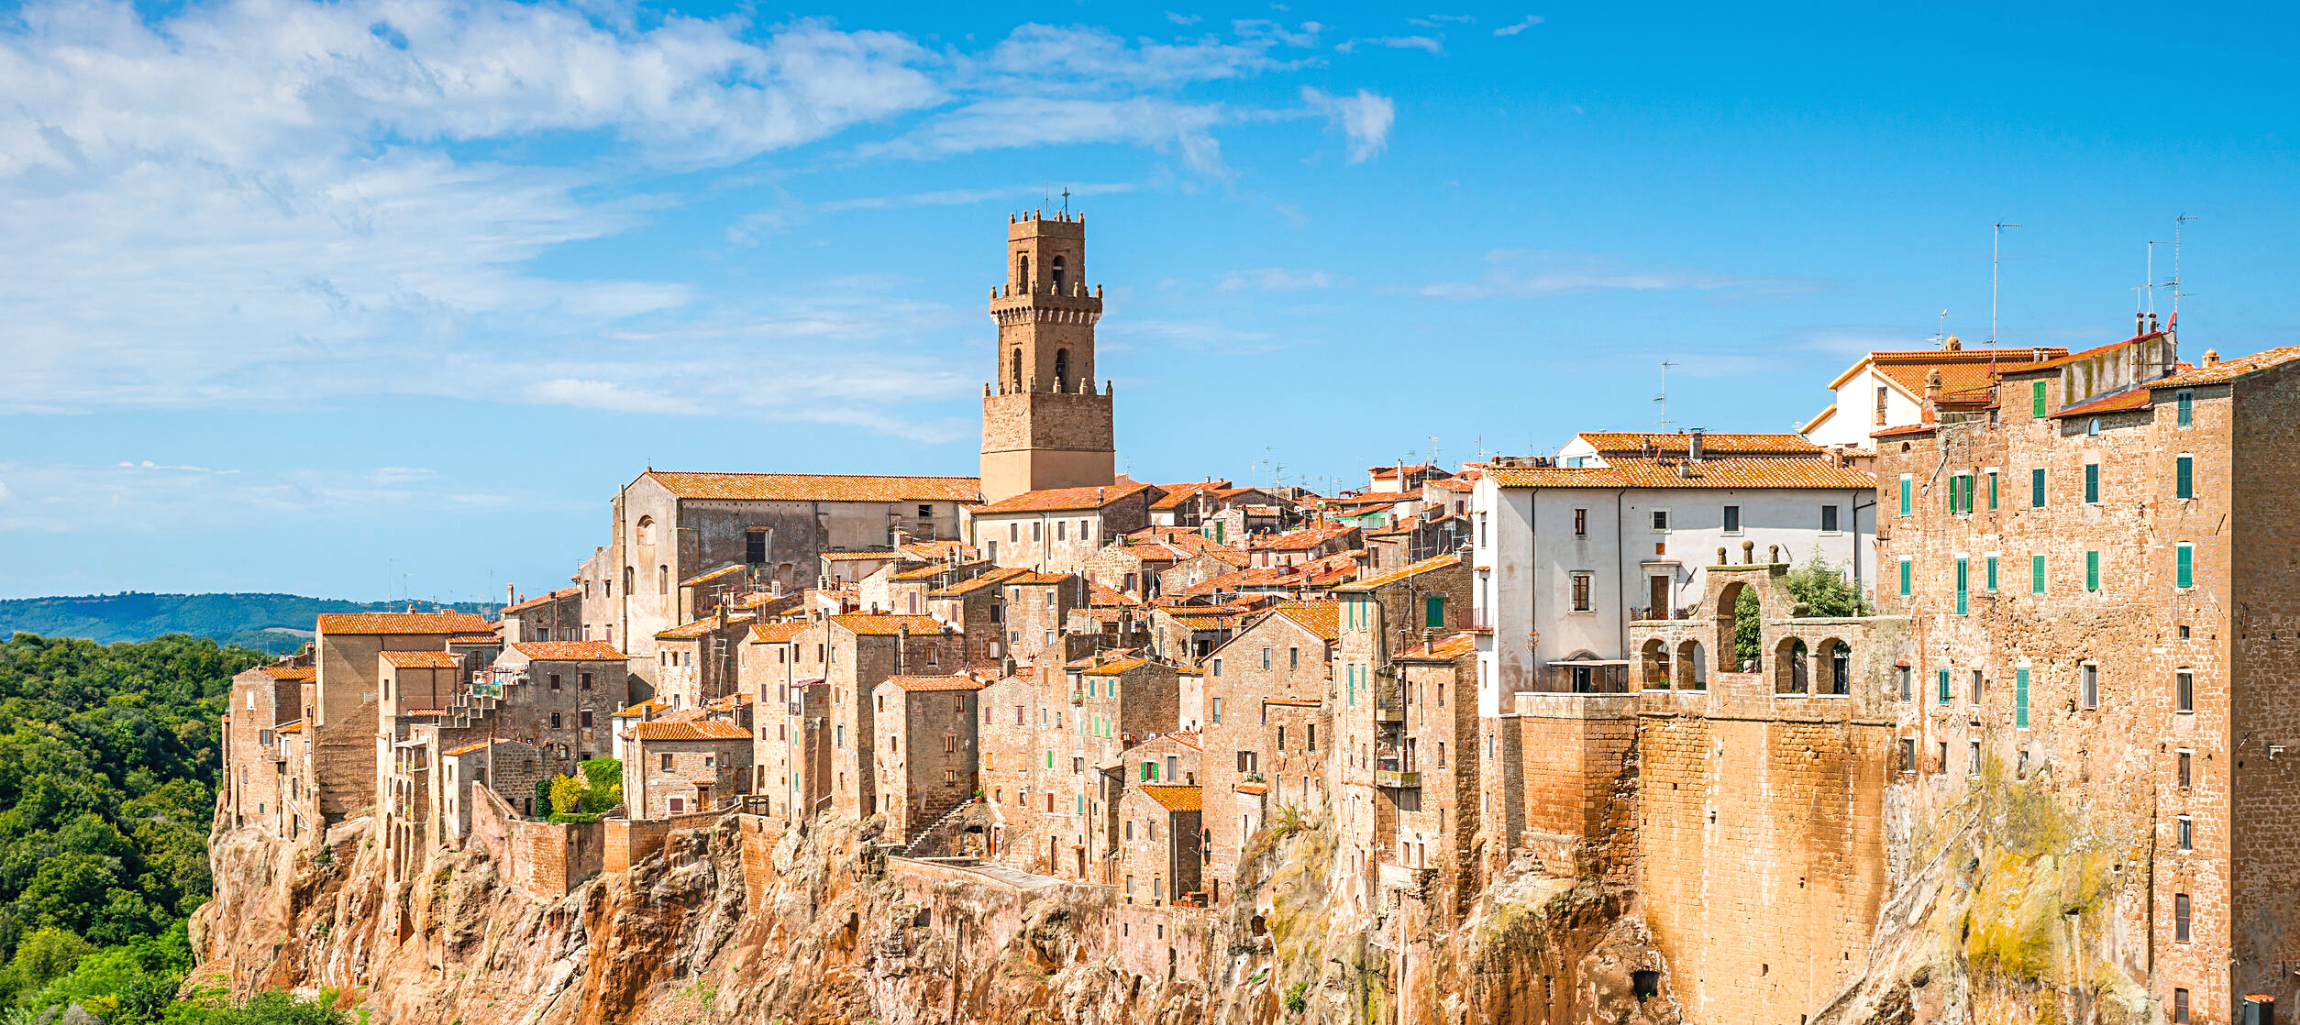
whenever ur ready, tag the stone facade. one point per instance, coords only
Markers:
(679, 767)
(1274, 676)
(926, 748)
(860, 652)
(1043, 424)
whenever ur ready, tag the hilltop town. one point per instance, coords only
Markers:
(1971, 700)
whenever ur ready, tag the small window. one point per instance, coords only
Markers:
(554, 681)
(1732, 519)
(678, 804)
(1907, 484)
(666, 763)
(1217, 715)
(2186, 769)
(583, 681)
(1581, 592)
(1908, 755)
(2092, 483)
(1217, 668)
(2036, 574)
(2092, 570)
(662, 580)
(554, 720)
(755, 547)
(2036, 398)
(1828, 519)
(2180, 918)
(2184, 691)
(1907, 681)
(2184, 405)
(1992, 489)
(1581, 523)
(2088, 685)
(2186, 831)
(1907, 573)
(1991, 577)
(1660, 519)
(2036, 488)
(1973, 757)
(2184, 565)
(2184, 476)
(1979, 683)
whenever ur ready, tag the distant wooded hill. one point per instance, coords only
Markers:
(265, 622)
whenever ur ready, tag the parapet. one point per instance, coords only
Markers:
(1035, 224)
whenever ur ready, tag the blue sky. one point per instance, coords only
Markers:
(382, 298)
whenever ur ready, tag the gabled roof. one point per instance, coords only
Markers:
(402, 623)
(1118, 667)
(570, 651)
(700, 729)
(420, 660)
(1322, 618)
(289, 672)
(1426, 565)
(777, 633)
(877, 624)
(937, 683)
(703, 578)
(1965, 373)
(1173, 796)
(2130, 398)
(1442, 650)
(1634, 443)
(1770, 472)
(1176, 494)
(1066, 499)
(1307, 537)
(976, 583)
(2230, 369)
(703, 627)
(816, 487)
(564, 592)
(644, 708)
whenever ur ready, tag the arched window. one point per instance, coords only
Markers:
(1016, 364)
(662, 580)
(1022, 273)
(646, 534)
(1061, 364)
(1056, 266)
(630, 580)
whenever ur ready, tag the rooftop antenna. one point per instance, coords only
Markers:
(1663, 398)
(1996, 257)
(2176, 292)
(1941, 336)
(1433, 451)
(2144, 294)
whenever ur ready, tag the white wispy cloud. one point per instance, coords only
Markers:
(1365, 119)
(1183, 19)
(1515, 274)
(1429, 44)
(1512, 29)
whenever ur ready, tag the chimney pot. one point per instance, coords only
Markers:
(2211, 356)
(1953, 345)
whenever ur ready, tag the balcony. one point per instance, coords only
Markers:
(1480, 620)
(1398, 779)
(1389, 701)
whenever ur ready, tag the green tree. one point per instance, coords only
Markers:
(1820, 587)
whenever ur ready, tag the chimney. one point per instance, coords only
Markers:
(1953, 345)
(2211, 356)
(2138, 318)
(2152, 323)
(1933, 386)
(510, 594)
(1694, 444)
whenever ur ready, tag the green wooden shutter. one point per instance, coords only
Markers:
(2092, 570)
(2036, 488)
(1963, 574)
(1944, 686)
(1905, 578)
(1953, 479)
(2036, 574)
(2020, 698)
(2185, 557)
(1433, 612)
(1992, 491)
(2036, 398)
(2092, 483)
(2184, 477)
(1904, 496)
(2187, 408)
(1992, 581)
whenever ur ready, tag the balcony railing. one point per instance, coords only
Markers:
(1397, 779)
(1481, 619)
(1650, 613)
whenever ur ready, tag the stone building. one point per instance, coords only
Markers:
(685, 766)
(348, 739)
(666, 528)
(2096, 569)
(695, 663)
(1033, 773)
(564, 694)
(977, 606)
(1043, 424)
(1160, 843)
(557, 616)
(1885, 390)
(926, 748)
(1305, 545)
(1059, 530)
(1426, 781)
(1036, 607)
(1265, 708)
(509, 767)
(858, 652)
(256, 775)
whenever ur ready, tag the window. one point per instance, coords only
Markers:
(2092, 483)
(1906, 573)
(2186, 766)
(2020, 699)
(1217, 669)
(1581, 592)
(1881, 395)
(1973, 757)
(1312, 734)
(662, 580)
(2036, 398)
(1964, 569)
(2187, 833)
(1014, 532)
(1990, 583)
(2184, 476)
(583, 681)
(666, 763)
(554, 681)
(2184, 690)
(2185, 408)
(1433, 610)
(678, 804)
(1581, 523)
(2036, 574)
(1294, 657)
(1660, 519)
(2092, 570)
(586, 719)
(1281, 738)
(1732, 519)
(1265, 656)
(1908, 685)
(755, 547)
(2036, 488)
(1944, 687)
(1992, 489)
(2184, 565)
(2180, 919)
(1979, 682)
(1908, 755)
(1906, 484)
(1828, 519)
(1038, 531)
(1217, 717)
(2088, 685)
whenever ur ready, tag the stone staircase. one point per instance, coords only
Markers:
(918, 837)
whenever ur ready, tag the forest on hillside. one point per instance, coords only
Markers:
(109, 756)
(262, 622)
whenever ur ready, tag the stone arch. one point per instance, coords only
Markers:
(1723, 617)
(1014, 368)
(1061, 362)
(1692, 666)
(1022, 273)
(1792, 668)
(645, 534)
(1060, 275)
(1653, 665)
(1834, 664)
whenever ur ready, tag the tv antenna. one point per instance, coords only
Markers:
(1996, 259)
(2177, 222)
(1663, 398)
(1941, 336)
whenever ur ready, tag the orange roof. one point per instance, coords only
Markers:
(402, 623)
(817, 487)
(1065, 499)
(1426, 565)
(938, 683)
(1294, 702)
(1176, 494)
(703, 627)
(482, 746)
(886, 555)
(1253, 788)
(777, 633)
(888, 625)
(2130, 398)
(2230, 369)
(2066, 357)
(1965, 373)
(701, 729)
(570, 651)
(1096, 594)
(976, 583)
(1173, 796)
(1322, 618)
(1445, 650)
(723, 571)
(1307, 537)
(1118, 667)
(564, 592)
(936, 551)
(289, 672)
(1678, 443)
(420, 659)
(1708, 473)
(645, 707)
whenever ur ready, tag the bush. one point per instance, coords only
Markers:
(543, 798)
(1297, 999)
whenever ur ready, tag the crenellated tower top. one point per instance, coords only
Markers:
(1044, 424)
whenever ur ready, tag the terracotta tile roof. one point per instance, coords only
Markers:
(1466, 482)
(703, 627)
(2130, 398)
(1386, 472)
(2230, 369)
(1294, 702)
(817, 487)
(1922, 428)
(1444, 650)
(888, 625)
(704, 578)
(288, 672)
(938, 683)
(1415, 570)
(482, 746)
(778, 633)
(570, 651)
(936, 551)
(1118, 667)
(926, 572)
(702, 729)
(421, 660)
(1176, 494)
(976, 583)
(564, 592)
(1173, 796)
(402, 623)
(1066, 499)
(1762, 472)
(888, 555)
(1296, 540)
(1965, 373)
(2067, 357)
(1632, 443)
(1322, 618)
(647, 707)
(1098, 595)
(293, 727)
(1257, 789)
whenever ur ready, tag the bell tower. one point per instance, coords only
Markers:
(1043, 423)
